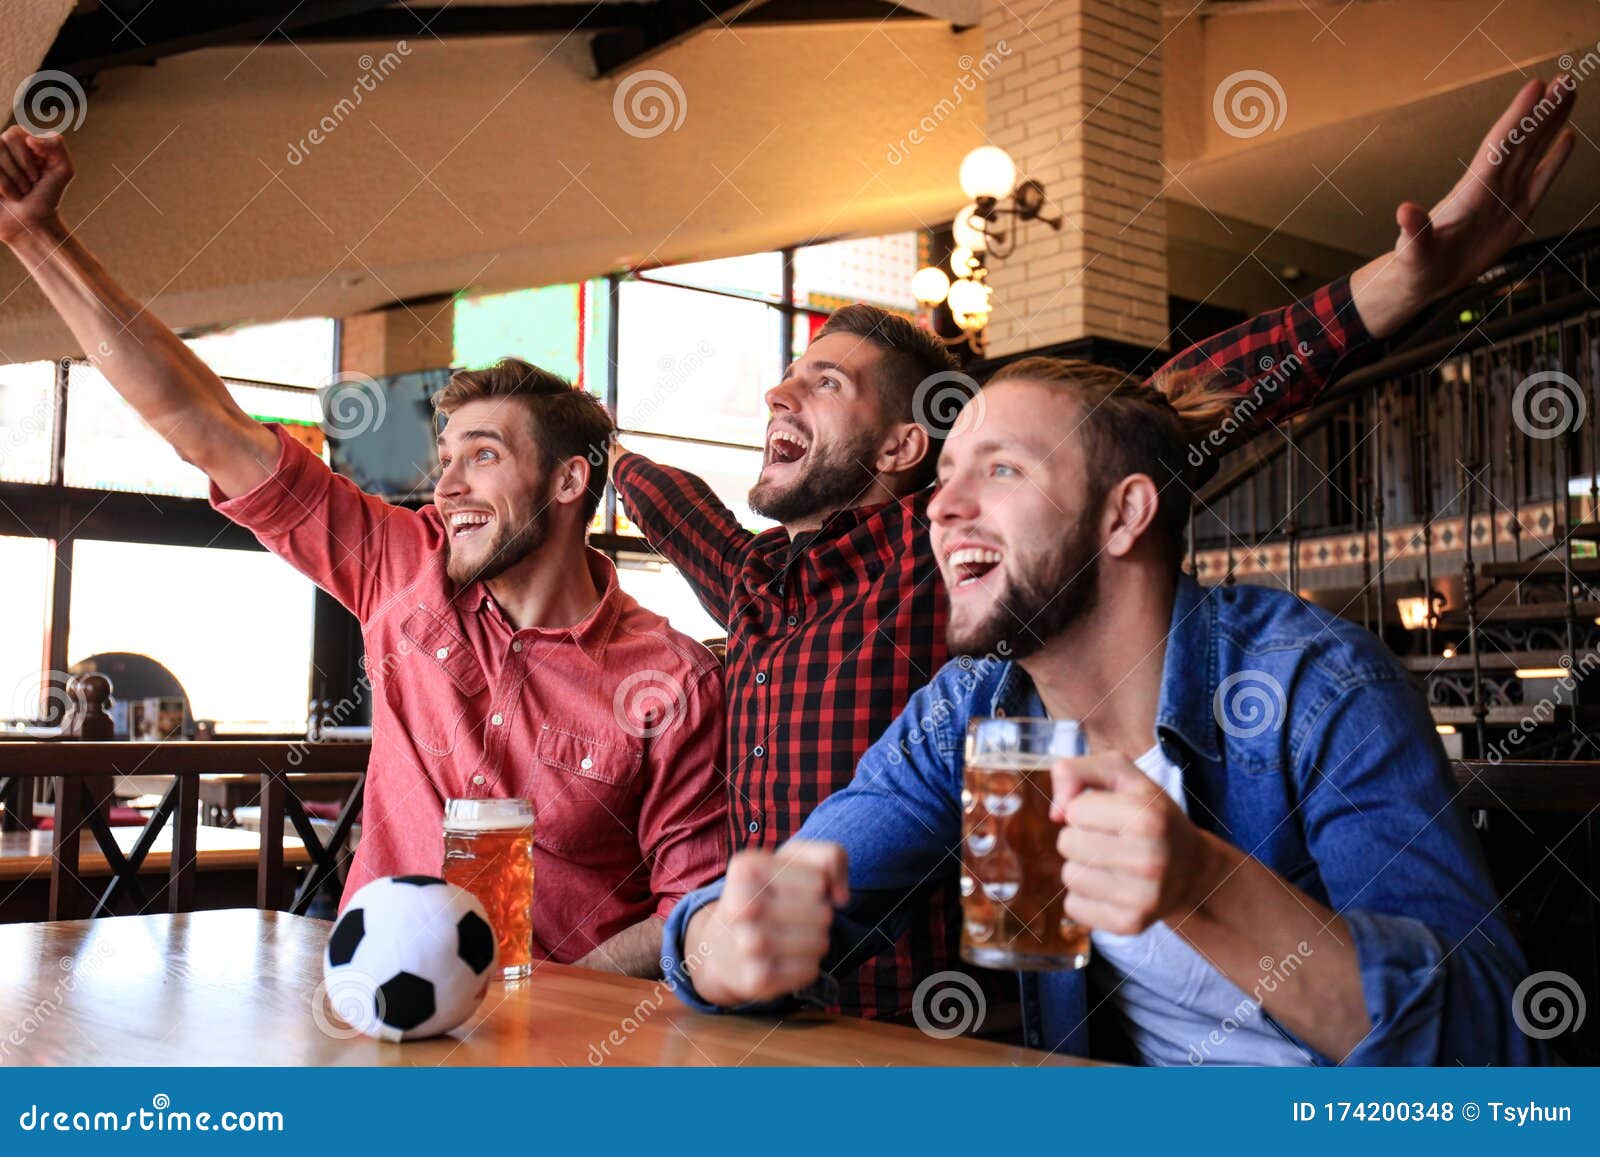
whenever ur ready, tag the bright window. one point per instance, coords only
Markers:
(659, 587)
(234, 626)
(695, 364)
(26, 564)
(27, 405)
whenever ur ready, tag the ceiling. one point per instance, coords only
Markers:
(260, 177)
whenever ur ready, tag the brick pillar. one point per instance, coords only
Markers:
(1077, 104)
(398, 340)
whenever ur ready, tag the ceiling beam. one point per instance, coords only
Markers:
(476, 20)
(119, 33)
(667, 23)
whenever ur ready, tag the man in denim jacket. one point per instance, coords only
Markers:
(1262, 836)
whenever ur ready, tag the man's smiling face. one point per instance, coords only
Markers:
(493, 489)
(827, 423)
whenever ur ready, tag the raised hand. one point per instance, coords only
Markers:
(766, 937)
(1439, 250)
(34, 172)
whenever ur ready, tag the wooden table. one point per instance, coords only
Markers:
(225, 863)
(241, 988)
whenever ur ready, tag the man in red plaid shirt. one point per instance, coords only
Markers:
(835, 617)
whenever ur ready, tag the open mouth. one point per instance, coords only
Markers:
(464, 524)
(785, 447)
(970, 564)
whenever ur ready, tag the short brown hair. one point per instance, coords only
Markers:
(912, 356)
(1133, 426)
(567, 422)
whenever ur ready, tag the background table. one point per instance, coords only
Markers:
(240, 987)
(225, 868)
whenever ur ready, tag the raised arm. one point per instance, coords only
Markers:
(160, 377)
(1282, 360)
(685, 521)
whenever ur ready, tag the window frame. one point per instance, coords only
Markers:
(63, 514)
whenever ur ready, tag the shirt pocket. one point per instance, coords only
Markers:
(584, 800)
(440, 687)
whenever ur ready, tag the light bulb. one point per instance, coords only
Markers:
(988, 171)
(963, 262)
(968, 297)
(929, 285)
(968, 229)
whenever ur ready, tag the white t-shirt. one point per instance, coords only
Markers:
(1175, 1007)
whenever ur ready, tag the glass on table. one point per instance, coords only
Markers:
(488, 850)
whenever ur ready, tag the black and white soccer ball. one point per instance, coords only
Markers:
(410, 957)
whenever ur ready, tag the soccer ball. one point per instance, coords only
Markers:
(410, 957)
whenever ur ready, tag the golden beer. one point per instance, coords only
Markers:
(1011, 890)
(488, 850)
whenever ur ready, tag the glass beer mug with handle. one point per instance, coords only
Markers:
(1011, 890)
(488, 850)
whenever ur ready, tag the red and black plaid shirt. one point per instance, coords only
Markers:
(829, 636)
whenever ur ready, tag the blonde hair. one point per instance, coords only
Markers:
(1132, 426)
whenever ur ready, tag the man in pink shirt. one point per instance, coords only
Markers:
(505, 659)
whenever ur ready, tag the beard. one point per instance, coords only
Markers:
(1049, 593)
(832, 479)
(508, 548)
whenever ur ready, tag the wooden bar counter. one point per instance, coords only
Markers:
(241, 987)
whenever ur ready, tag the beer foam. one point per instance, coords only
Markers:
(487, 823)
(1013, 761)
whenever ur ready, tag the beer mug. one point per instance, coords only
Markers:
(488, 850)
(1011, 890)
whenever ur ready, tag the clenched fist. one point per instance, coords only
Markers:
(767, 935)
(34, 172)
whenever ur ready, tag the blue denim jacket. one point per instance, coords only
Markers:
(1303, 743)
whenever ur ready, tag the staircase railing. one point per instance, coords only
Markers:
(1392, 488)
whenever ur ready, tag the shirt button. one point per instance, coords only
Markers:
(755, 827)
(792, 620)
(517, 645)
(478, 779)
(442, 653)
(759, 751)
(586, 763)
(497, 719)
(761, 676)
